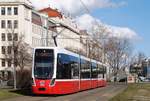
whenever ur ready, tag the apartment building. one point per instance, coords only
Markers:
(18, 17)
(13, 19)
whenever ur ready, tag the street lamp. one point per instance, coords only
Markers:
(147, 65)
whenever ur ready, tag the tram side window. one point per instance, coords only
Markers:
(101, 71)
(63, 67)
(85, 69)
(67, 67)
(104, 71)
(74, 67)
(94, 70)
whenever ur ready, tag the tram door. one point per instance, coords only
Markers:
(74, 61)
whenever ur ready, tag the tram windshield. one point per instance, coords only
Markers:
(43, 63)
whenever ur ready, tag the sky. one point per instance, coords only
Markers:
(124, 18)
(134, 15)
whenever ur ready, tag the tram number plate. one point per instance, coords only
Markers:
(42, 83)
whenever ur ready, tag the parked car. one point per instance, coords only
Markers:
(141, 78)
(147, 79)
(144, 79)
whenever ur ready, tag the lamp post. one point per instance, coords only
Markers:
(147, 65)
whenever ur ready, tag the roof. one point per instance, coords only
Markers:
(26, 3)
(51, 12)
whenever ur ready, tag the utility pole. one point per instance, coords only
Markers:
(103, 55)
(147, 65)
(14, 61)
(15, 81)
(47, 27)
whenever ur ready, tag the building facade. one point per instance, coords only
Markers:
(14, 19)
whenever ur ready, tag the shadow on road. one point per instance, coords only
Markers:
(28, 92)
(25, 92)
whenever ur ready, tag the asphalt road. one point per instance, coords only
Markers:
(98, 94)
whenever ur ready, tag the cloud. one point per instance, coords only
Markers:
(76, 7)
(123, 32)
(87, 22)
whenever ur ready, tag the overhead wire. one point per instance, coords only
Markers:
(88, 11)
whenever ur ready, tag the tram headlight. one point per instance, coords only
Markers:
(33, 83)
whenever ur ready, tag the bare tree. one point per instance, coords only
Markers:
(100, 35)
(19, 54)
(118, 52)
(140, 57)
(94, 50)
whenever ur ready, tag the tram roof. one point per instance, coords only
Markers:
(62, 50)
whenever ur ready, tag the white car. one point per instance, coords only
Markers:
(141, 78)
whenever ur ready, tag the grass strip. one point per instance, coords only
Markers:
(136, 92)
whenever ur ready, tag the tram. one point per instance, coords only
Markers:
(59, 71)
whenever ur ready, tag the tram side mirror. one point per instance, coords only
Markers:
(52, 82)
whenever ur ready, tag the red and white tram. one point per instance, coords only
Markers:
(58, 71)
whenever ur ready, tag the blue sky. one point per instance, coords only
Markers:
(134, 15)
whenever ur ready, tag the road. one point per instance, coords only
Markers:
(98, 94)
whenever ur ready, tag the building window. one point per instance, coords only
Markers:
(9, 62)
(9, 49)
(3, 11)
(3, 49)
(15, 10)
(9, 37)
(9, 11)
(15, 24)
(3, 62)
(3, 37)
(36, 19)
(3, 24)
(9, 24)
(15, 37)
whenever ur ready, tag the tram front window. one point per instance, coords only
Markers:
(43, 63)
